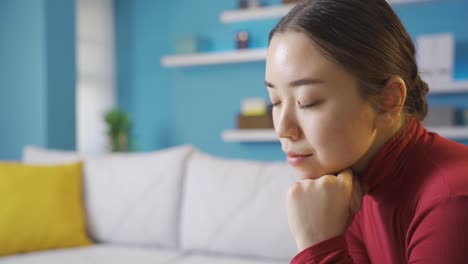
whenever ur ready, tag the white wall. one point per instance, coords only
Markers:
(95, 72)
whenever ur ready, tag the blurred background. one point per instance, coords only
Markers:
(65, 64)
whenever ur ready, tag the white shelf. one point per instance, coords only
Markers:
(269, 135)
(250, 135)
(237, 56)
(401, 2)
(452, 132)
(255, 13)
(252, 55)
(450, 87)
(277, 11)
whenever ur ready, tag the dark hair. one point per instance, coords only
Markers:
(368, 39)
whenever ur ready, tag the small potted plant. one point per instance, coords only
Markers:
(119, 125)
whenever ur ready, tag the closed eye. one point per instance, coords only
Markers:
(306, 106)
(275, 103)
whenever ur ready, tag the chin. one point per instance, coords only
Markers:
(312, 174)
(309, 177)
(305, 173)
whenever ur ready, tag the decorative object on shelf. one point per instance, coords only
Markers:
(290, 1)
(243, 4)
(255, 122)
(242, 40)
(435, 56)
(465, 117)
(461, 116)
(254, 3)
(254, 114)
(191, 44)
(440, 116)
(254, 107)
(118, 130)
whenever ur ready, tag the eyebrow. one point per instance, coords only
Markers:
(305, 81)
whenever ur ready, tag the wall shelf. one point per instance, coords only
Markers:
(211, 58)
(239, 56)
(277, 11)
(258, 55)
(249, 135)
(452, 132)
(259, 13)
(449, 87)
(269, 135)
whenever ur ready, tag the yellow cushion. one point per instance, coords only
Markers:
(41, 207)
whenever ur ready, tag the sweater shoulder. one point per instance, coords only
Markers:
(447, 169)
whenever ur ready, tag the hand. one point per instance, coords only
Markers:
(322, 208)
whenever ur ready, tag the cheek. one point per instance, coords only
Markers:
(275, 115)
(338, 142)
(320, 132)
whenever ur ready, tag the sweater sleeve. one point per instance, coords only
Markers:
(356, 245)
(333, 250)
(439, 234)
(340, 249)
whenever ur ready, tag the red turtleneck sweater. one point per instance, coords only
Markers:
(416, 210)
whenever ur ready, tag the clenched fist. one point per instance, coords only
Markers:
(322, 208)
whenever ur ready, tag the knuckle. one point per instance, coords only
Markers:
(294, 189)
(326, 181)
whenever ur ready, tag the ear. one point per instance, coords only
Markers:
(392, 101)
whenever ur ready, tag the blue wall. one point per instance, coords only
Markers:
(172, 106)
(61, 74)
(37, 75)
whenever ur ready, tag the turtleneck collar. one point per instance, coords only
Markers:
(388, 161)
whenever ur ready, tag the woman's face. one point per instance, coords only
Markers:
(323, 123)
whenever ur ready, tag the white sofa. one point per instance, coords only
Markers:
(175, 206)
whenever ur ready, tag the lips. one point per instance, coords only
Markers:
(297, 159)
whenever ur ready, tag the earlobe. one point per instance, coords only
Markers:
(385, 121)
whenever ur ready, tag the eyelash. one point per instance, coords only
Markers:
(308, 105)
(301, 106)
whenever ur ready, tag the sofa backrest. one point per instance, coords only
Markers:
(183, 198)
(131, 198)
(236, 207)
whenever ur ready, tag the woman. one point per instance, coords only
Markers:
(376, 186)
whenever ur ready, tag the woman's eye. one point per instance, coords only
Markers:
(305, 106)
(275, 103)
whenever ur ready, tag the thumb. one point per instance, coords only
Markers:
(353, 182)
(356, 196)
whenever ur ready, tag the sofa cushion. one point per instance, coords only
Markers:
(220, 259)
(37, 155)
(131, 198)
(42, 207)
(101, 254)
(112, 254)
(236, 207)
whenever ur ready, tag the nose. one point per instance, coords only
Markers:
(286, 125)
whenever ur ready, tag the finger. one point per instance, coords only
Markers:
(346, 176)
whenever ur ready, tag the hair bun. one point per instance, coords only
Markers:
(419, 91)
